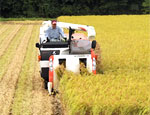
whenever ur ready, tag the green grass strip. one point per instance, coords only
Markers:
(23, 94)
(24, 19)
(7, 57)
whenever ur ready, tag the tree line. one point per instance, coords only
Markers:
(55, 8)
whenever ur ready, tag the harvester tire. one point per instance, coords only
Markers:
(93, 44)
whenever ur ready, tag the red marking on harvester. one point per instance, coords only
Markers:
(51, 69)
(39, 57)
(82, 28)
(93, 56)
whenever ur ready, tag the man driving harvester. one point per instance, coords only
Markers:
(54, 32)
(70, 53)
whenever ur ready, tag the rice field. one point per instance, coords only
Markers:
(124, 86)
(121, 88)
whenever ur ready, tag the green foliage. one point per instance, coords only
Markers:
(146, 7)
(55, 8)
(24, 19)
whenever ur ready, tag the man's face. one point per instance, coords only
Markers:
(53, 26)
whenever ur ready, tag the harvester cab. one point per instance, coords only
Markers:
(76, 49)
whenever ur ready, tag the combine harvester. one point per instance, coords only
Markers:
(77, 48)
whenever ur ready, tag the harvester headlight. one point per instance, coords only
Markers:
(51, 68)
(94, 64)
(93, 59)
(51, 60)
(50, 64)
(94, 68)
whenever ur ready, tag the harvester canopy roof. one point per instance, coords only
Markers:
(89, 29)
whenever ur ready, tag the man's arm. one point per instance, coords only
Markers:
(62, 33)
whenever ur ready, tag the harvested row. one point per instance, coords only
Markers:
(8, 83)
(3, 28)
(30, 96)
(4, 45)
(41, 102)
(11, 51)
(7, 29)
(23, 93)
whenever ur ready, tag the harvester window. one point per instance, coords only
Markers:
(62, 62)
(83, 60)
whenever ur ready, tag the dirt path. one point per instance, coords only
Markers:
(8, 83)
(41, 102)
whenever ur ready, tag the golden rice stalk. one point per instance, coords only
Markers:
(83, 69)
(99, 67)
(60, 71)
